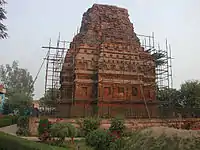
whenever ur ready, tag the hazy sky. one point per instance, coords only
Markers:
(31, 23)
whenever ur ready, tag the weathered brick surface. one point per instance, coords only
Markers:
(131, 124)
(106, 62)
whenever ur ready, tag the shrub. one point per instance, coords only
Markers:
(43, 129)
(90, 124)
(14, 118)
(23, 122)
(71, 132)
(117, 125)
(99, 139)
(60, 131)
(23, 126)
(63, 130)
(8, 120)
(22, 132)
(118, 144)
(5, 122)
(43, 126)
(9, 142)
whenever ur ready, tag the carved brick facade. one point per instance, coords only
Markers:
(106, 64)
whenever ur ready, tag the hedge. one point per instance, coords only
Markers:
(8, 120)
(9, 142)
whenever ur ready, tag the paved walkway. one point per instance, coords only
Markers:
(9, 129)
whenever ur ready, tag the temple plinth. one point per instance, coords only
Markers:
(106, 68)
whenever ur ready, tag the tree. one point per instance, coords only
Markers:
(50, 97)
(19, 85)
(158, 58)
(170, 97)
(3, 29)
(190, 94)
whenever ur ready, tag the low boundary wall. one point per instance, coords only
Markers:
(131, 124)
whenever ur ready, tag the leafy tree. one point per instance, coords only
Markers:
(158, 58)
(190, 94)
(19, 85)
(50, 97)
(170, 97)
(3, 29)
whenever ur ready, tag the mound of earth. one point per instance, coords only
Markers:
(163, 138)
(169, 132)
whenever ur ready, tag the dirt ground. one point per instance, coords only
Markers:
(157, 131)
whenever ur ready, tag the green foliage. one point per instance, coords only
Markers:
(23, 126)
(7, 120)
(19, 85)
(118, 144)
(8, 142)
(99, 139)
(117, 125)
(190, 94)
(90, 124)
(185, 101)
(50, 97)
(23, 122)
(43, 126)
(22, 132)
(158, 58)
(172, 97)
(62, 130)
(3, 29)
(140, 141)
(59, 130)
(14, 118)
(6, 108)
(71, 130)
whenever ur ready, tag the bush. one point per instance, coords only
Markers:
(23, 122)
(9, 142)
(90, 124)
(23, 126)
(14, 118)
(60, 131)
(63, 130)
(8, 120)
(118, 144)
(43, 129)
(43, 126)
(117, 125)
(22, 132)
(5, 122)
(99, 139)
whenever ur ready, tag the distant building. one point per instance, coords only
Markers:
(2, 97)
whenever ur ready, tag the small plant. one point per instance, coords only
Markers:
(118, 144)
(22, 132)
(23, 126)
(71, 132)
(23, 122)
(99, 139)
(61, 131)
(90, 124)
(43, 129)
(117, 126)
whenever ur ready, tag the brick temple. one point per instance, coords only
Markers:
(106, 70)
